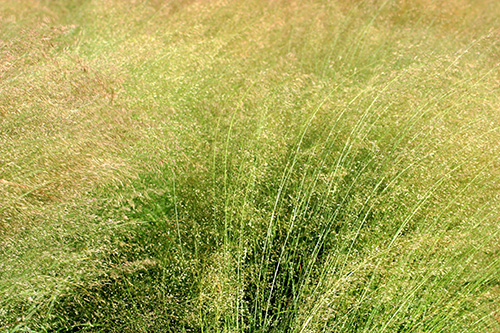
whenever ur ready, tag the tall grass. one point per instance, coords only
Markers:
(251, 166)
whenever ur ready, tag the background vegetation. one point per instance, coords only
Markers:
(249, 166)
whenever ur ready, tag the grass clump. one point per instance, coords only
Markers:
(249, 166)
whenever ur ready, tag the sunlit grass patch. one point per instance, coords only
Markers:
(249, 166)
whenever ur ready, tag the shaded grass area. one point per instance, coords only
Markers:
(249, 166)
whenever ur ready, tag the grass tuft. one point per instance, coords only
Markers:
(253, 166)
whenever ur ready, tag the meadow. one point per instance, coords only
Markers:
(250, 166)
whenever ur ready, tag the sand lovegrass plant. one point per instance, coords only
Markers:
(249, 166)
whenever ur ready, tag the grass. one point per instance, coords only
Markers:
(253, 166)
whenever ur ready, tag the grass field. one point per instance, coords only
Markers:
(250, 166)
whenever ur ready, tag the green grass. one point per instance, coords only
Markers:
(249, 166)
